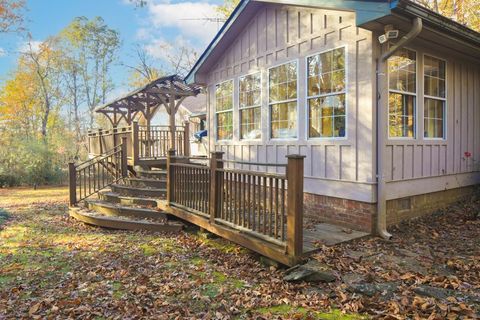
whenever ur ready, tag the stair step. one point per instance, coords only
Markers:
(125, 200)
(123, 223)
(110, 209)
(151, 174)
(131, 191)
(147, 183)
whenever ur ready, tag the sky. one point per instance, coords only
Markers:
(159, 22)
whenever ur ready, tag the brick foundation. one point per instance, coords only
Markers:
(352, 214)
(420, 205)
(361, 216)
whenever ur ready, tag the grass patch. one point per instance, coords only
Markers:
(288, 311)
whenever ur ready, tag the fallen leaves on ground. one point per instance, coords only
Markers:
(54, 267)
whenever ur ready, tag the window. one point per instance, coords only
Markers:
(250, 102)
(402, 94)
(434, 71)
(224, 107)
(282, 97)
(326, 94)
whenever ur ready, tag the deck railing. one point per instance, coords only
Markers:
(265, 206)
(143, 143)
(155, 141)
(95, 174)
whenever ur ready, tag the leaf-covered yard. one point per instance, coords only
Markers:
(54, 267)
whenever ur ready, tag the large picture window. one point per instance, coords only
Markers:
(402, 68)
(250, 103)
(434, 71)
(224, 110)
(282, 97)
(326, 94)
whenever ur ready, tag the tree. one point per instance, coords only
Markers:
(92, 47)
(226, 9)
(466, 12)
(11, 15)
(180, 57)
(42, 64)
(144, 71)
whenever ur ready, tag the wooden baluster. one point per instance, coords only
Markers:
(186, 139)
(255, 204)
(270, 213)
(275, 192)
(282, 207)
(264, 189)
(295, 206)
(124, 158)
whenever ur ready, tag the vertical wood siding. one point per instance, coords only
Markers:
(278, 34)
(421, 158)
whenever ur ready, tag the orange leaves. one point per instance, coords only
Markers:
(11, 15)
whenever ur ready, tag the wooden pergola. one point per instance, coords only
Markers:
(169, 91)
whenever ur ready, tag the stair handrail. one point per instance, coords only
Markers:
(105, 170)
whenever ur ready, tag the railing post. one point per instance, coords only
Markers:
(135, 146)
(215, 185)
(72, 183)
(124, 158)
(295, 206)
(170, 160)
(100, 140)
(114, 136)
(186, 139)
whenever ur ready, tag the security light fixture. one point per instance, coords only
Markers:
(382, 39)
(390, 33)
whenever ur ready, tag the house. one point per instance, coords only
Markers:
(382, 97)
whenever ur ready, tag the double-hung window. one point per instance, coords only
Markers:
(250, 106)
(434, 97)
(224, 110)
(326, 94)
(282, 98)
(402, 69)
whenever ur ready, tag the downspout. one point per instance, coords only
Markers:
(381, 130)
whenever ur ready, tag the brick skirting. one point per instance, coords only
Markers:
(348, 213)
(419, 205)
(361, 216)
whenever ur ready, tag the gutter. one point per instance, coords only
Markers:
(381, 227)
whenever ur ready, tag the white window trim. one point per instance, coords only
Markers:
(415, 112)
(224, 111)
(307, 97)
(269, 113)
(250, 107)
(444, 99)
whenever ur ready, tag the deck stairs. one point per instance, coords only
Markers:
(130, 204)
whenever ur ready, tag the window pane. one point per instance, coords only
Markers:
(326, 72)
(434, 77)
(284, 120)
(327, 116)
(401, 70)
(282, 82)
(224, 126)
(434, 111)
(401, 120)
(250, 90)
(250, 123)
(223, 95)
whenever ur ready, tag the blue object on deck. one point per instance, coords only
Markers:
(200, 134)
